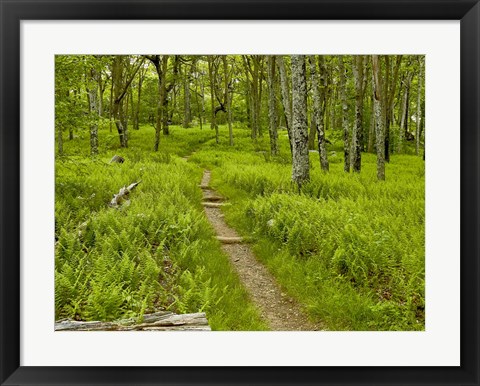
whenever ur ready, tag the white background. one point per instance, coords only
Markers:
(438, 345)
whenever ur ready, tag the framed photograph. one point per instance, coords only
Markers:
(199, 192)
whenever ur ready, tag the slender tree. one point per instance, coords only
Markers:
(272, 104)
(390, 102)
(119, 92)
(254, 68)
(418, 116)
(122, 76)
(333, 98)
(92, 92)
(319, 106)
(371, 132)
(227, 98)
(212, 75)
(379, 117)
(136, 114)
(110, 110)
(300, 159)
(286, 100)
(357, 132)
(186, 94)
(343, 99)
(257, 79)
(403, 131)
(160, 63)
(169, 86)
(102, 80)
(248, 91)
(197, 78)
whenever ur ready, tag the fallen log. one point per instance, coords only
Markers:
(122, 196)
(159, 321)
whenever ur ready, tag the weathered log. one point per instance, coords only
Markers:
(204, 186)
(117, 159)
(159, 321)
(122, 196)
(229, 240)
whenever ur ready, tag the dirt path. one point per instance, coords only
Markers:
(281, 312)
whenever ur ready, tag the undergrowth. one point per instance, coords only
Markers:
(350, 249)
(157, 253)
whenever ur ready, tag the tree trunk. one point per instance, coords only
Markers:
(357, 132)
(228, 99)
(371, 133)
(248, 92)
(260, 89)
(202, 88)
(164, 96)
(110, 112)
(319, 107)
(255, 97)
(422, 127)
(404, 113)
(329, 95)
(121, 84)
(157, 62)
(379, 117)
(120, 123)
(419, 108)
(118, 95)
(256, 72)
(213, 123)
(159, 117)
(186, 100)
(343, 98)
(161, 97)
(385, 93)
(300, 159)
(272, 113)
(391, 96)
(101, 91)
(407, 112)
(93, 109)
(199, 107)
(333, 117)
(128, 104)
(286, 101)
(136, 118)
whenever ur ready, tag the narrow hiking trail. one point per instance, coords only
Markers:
(280, 311)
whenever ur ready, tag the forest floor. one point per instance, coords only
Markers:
(281, 312)
(347, 253)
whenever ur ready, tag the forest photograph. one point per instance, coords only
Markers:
(239, 192)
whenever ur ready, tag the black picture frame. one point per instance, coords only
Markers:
(12, 12)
